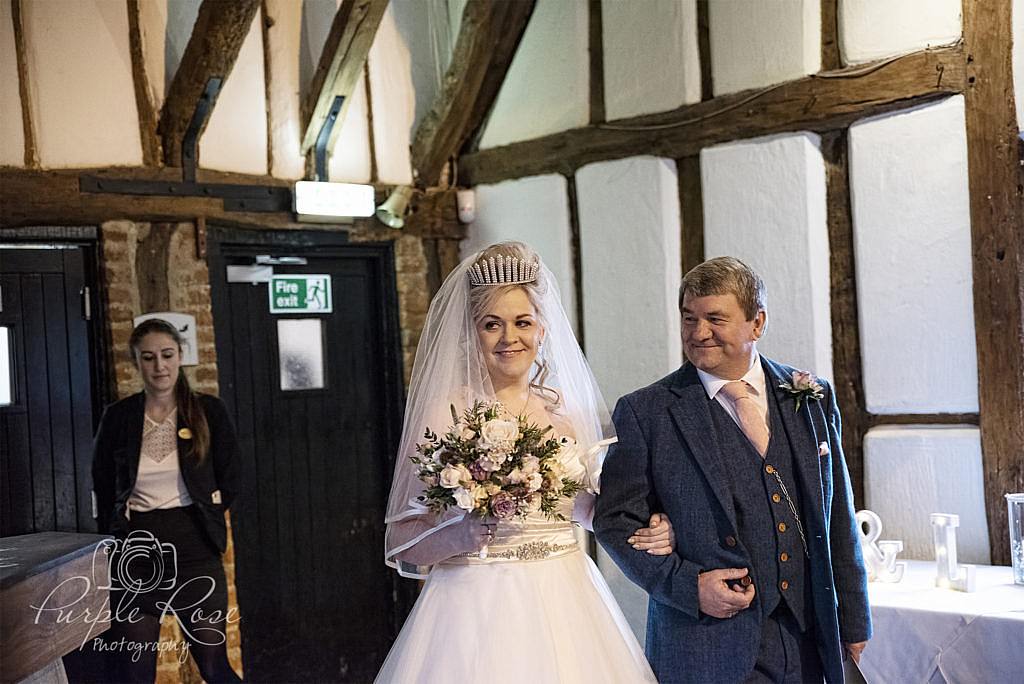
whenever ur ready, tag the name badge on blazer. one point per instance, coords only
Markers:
(215, 497)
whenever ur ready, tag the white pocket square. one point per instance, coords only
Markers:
(823, 449)
(215, 497)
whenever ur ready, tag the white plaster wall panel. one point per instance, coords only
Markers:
(1018, 60)
(651, 61)
(12, 133)
(236, 137)
(765, 204)
(630, 249)
(83, 96)
(153, 30)
(547, 88)
(350, 157)
(283, 40)
(393, 102)
(532, 210)
(912, 240)
(756, 43)
(873, 29)
(181, 18)
(911, 472)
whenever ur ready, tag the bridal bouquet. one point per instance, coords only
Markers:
(493, 463)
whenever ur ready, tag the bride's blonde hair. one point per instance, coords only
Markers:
(483, 297)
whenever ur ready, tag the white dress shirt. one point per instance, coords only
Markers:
(754, 377)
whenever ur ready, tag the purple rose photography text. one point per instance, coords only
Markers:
(114, 567)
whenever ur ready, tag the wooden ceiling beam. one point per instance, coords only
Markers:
(217, 37)
(488, 38)
(341, 65)
(32, 197)
(818, 103)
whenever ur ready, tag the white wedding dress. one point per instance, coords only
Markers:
(536, 610)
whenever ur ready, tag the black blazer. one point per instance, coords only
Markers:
(115, 465)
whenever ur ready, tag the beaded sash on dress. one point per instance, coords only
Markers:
(533, 539)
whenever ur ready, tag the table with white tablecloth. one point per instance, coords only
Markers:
(926, 634)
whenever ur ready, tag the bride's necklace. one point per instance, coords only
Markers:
(522, 410)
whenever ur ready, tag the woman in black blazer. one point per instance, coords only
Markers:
(165, 468)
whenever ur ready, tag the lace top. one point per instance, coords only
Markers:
(159, 483)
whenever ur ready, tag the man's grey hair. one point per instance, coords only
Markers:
(726, 275)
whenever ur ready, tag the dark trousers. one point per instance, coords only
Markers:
(786, 655)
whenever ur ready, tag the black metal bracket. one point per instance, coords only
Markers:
(190, 141)
(320, 146)
(236, 197)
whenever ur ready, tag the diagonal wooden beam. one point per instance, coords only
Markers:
(31, 155)
(217, 37)
(143, 102)
(995, 179)
(488, 38)
(341, 65)
(823, 102)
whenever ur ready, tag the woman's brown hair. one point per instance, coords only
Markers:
(189, 408)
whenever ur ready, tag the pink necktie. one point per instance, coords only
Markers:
(750, 419)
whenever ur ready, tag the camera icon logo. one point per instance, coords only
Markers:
(139, 563)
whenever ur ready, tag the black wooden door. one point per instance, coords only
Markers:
(317, 602)
(46, 398)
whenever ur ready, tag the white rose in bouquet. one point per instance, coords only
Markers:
(499, 435)
(531, 465)
(534, 481)
(464, 499)
(452, 475)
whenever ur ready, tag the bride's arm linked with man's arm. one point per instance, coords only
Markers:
(669, 579)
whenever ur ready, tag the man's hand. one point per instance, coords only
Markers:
(717, 598)
(855, 649)
(658, 538)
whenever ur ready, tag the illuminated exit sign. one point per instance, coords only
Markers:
(300, 294)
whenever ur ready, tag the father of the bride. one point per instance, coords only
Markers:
(744, 456)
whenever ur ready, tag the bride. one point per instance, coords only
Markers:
(512, 600)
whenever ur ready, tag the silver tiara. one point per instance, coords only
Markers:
(497, 270)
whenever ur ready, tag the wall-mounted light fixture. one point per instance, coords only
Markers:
(322, 202)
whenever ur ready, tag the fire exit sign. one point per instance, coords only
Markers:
(300, 294)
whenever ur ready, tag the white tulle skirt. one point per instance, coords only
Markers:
(535, 622)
